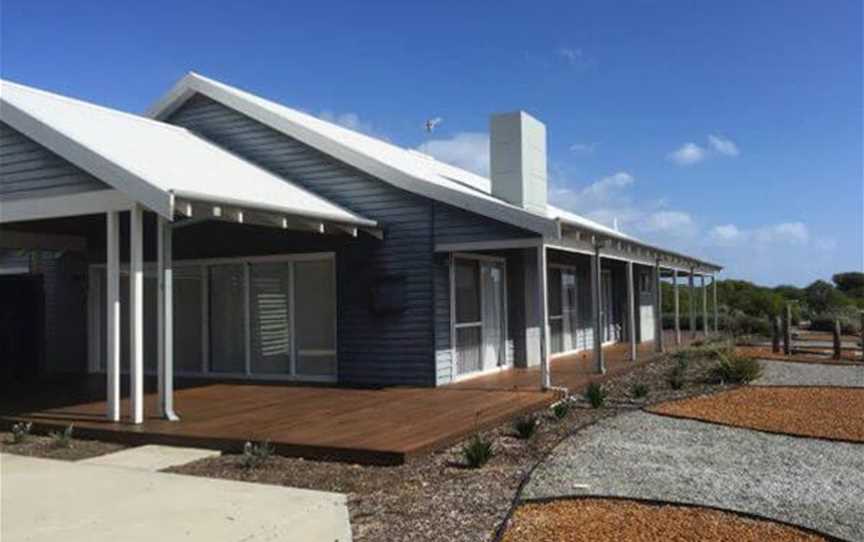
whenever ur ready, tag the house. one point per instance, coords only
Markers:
(228, 236)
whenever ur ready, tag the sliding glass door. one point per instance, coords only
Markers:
(563, 309)
(479, 320)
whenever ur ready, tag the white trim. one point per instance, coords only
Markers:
(82, 203)
(489, 245)
(112, 320)
(136, 314)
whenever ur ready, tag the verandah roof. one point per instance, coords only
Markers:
(156, 164)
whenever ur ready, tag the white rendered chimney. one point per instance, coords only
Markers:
(518, 160)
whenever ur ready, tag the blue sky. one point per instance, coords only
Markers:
(732, 130)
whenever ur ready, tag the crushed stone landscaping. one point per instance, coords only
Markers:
(821, 412)
(46, 447)
(781, 373)
(599, 520)
(813, 483)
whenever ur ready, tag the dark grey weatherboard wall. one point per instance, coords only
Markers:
(29, 170)
(374, 349)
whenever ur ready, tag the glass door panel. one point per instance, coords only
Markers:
(492, 282)
(270, 313)
(468, 318)
(227, 319)
(315, 318)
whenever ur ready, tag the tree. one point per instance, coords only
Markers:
(851, 283)
(822, 296)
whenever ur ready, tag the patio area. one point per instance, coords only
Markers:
(376, 426)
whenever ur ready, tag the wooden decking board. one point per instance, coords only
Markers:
(382, 426)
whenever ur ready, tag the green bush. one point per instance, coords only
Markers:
(255, 455)
(560, 409)
(525, 426)
(477, 451)
(676, 376)
(21, 432)
(62, 439)
(850, 321)
(639, 390)
(595, 394)
(737, 369)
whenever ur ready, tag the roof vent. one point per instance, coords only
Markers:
(518, 160)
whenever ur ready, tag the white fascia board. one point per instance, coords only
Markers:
(190, 84)
(135, 187)
(82, 203)
(502, 244)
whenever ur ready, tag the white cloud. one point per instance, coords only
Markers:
(572, 56)
(688, 154)
(727, 233)
(795, 233)
(348, 120)
(723, 146)
(468, 150)
(663, 221)
(586, 148)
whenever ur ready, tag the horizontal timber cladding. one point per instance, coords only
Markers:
(29, 170)
(410, 346)
(375, 347)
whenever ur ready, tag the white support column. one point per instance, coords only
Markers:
(112, 332)
(596, 276)
(677, 300)
(631, 312)
(658, 309)
(704, 304)
(165, 316)
(136, 313)
(542, 278)
(692, 304)
(716, 312)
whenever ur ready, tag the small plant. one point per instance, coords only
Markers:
(737, 369)
(560, 409)
(477, 451)
(676, 376)
(62, 439)
(21, 432)
(525, 427)
(639, 390)
(255, 455)
(595, 394)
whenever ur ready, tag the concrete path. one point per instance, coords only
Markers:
(48, 500)
(786, 373)
(151, 457)
(808, 482)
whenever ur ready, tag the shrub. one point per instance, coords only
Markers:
(21, 432)
(525, 427)
(595, 394)
(560, 409)
(255, 455)
(850, 321)
(676, 376)
(737, 369)
(639, 390)
(62, 439)
(477, 451)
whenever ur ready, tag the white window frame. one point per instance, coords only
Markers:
(205, 264)
(508, 362)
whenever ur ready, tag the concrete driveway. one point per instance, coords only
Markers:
(48, 500)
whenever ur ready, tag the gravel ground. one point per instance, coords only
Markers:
(42, 446)
(812, 483)
(779, 373)
(809, 411)
(598, 520)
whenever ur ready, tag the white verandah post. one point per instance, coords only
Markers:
(716, 312)
(658, 307)
(165, 316)
(692, 303)
(543, 289)
(596, 277)
(112, 297)
(136, 313)
(704, 305)
(677, 303)
(631, 312)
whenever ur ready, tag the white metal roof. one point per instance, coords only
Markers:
(406, 168)
(154, 162)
